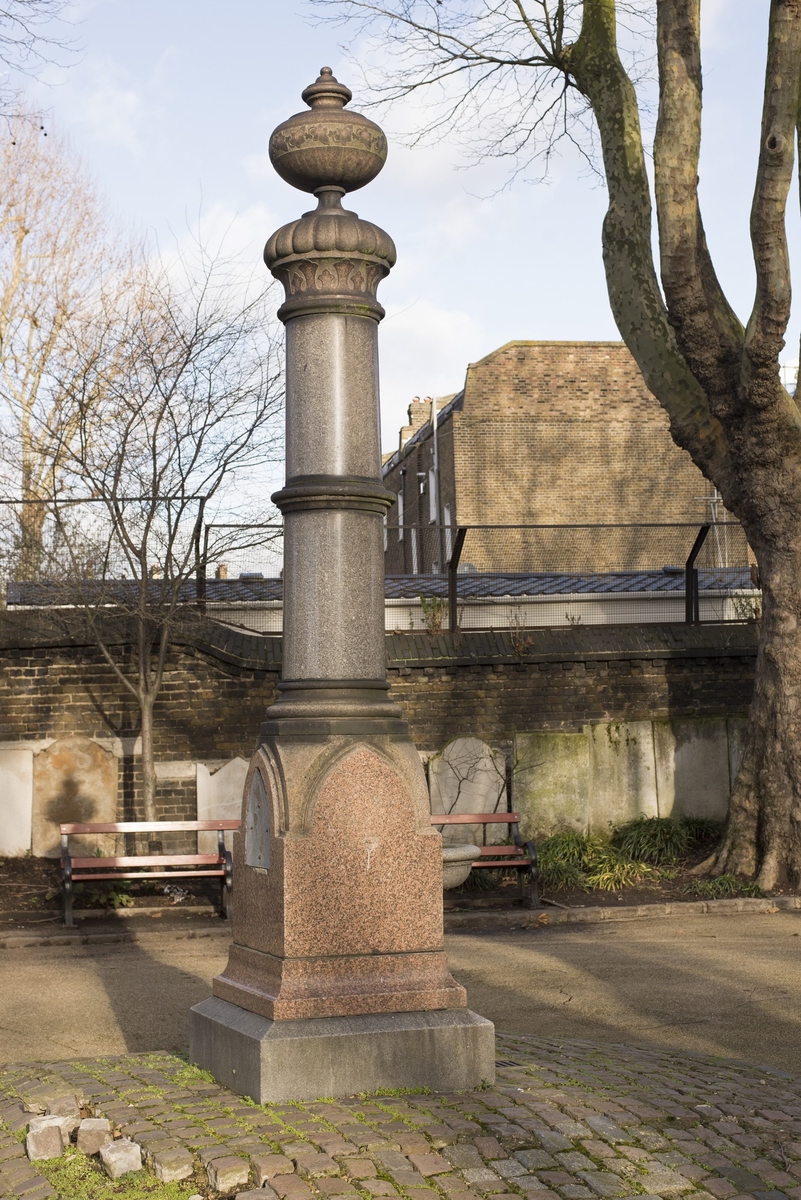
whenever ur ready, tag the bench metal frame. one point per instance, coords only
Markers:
(163, 866)
(521, 857)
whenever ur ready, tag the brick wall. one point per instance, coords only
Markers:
(216, 691)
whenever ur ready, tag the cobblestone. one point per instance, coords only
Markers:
(565, 1121)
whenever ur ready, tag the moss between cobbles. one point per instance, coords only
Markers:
(77, 1177)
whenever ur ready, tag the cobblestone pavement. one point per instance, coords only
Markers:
(565, 1121)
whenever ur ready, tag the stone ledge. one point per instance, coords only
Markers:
(456, 922)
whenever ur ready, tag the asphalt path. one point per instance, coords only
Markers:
(725, 985)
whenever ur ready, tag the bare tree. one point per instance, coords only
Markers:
(33, 34)
(172, 401)
(56, 246)
(530, 71)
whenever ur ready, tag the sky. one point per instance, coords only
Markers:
(172, 105)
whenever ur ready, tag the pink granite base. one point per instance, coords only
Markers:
(347, 918)
(290, 988)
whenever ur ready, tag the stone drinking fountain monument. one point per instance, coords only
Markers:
(337, 981)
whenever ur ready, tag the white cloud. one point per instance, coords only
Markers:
(108, 105)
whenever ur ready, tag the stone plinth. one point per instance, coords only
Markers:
(338, 1056)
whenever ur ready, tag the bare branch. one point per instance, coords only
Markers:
(771, 311)
(708, 331)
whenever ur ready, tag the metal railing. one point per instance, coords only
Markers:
(438, 578)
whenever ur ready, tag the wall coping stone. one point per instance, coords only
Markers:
(244, 650)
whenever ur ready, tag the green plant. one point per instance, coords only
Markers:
(701, 829)
(724, 886)
(652, 839)
(434, 609)
(608, 870)
(81, 1178)
(573, 859)
(114, 894)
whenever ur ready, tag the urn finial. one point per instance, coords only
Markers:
(328, 147)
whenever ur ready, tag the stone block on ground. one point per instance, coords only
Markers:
(173, 1164)
(46, 1138)
(430, 1164)
(94, 1132)
(227, 1173)
(120, 1157)
(267, 1166)
(312, 1166)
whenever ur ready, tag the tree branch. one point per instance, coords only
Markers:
(634, 294)
(771, 311)
(708, 331)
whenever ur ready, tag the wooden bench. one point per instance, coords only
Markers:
(520, 857)
(149, 866)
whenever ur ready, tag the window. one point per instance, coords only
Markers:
(415, 563)
(432, 496)
(446, 517)
(400, 515)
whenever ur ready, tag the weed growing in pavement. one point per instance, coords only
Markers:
(81, 1178)
(722, 887)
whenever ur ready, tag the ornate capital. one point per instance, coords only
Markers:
(330, 260)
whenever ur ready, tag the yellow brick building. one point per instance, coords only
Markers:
(543, 433)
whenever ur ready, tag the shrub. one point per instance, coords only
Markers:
(576, 860)
(652, 839)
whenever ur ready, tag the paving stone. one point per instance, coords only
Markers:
(312, 1165)
(227, 1173)
(463, 1155)
(120, 1157)
(94, 1132)
(430, 1164)
(574, 1161)
(291, 1187)
(575, 1191)
(604, 1183)
(535, 1160)
(601, 1150)
(173, 1164)
(267, 1166)
(335, 1187)
(665, 1183)
(378, 1187)
(490, 1147)
(553, 1142)
(606, 1129)
(207, 1154)
(480, 1175)
(46, 1138)
(508, 1168)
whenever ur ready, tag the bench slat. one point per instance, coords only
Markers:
(148, 875)
(145, 860)
(512, 851)
(474, 818)
(149, 826)
(504, 863)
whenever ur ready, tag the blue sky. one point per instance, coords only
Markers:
(172, 102)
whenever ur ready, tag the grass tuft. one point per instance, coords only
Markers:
(576, 860)
(654, 840)
(723, 887)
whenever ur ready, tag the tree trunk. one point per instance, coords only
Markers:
(763, 833)
(148, 763)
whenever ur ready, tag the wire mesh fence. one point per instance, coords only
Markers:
(437, 578)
